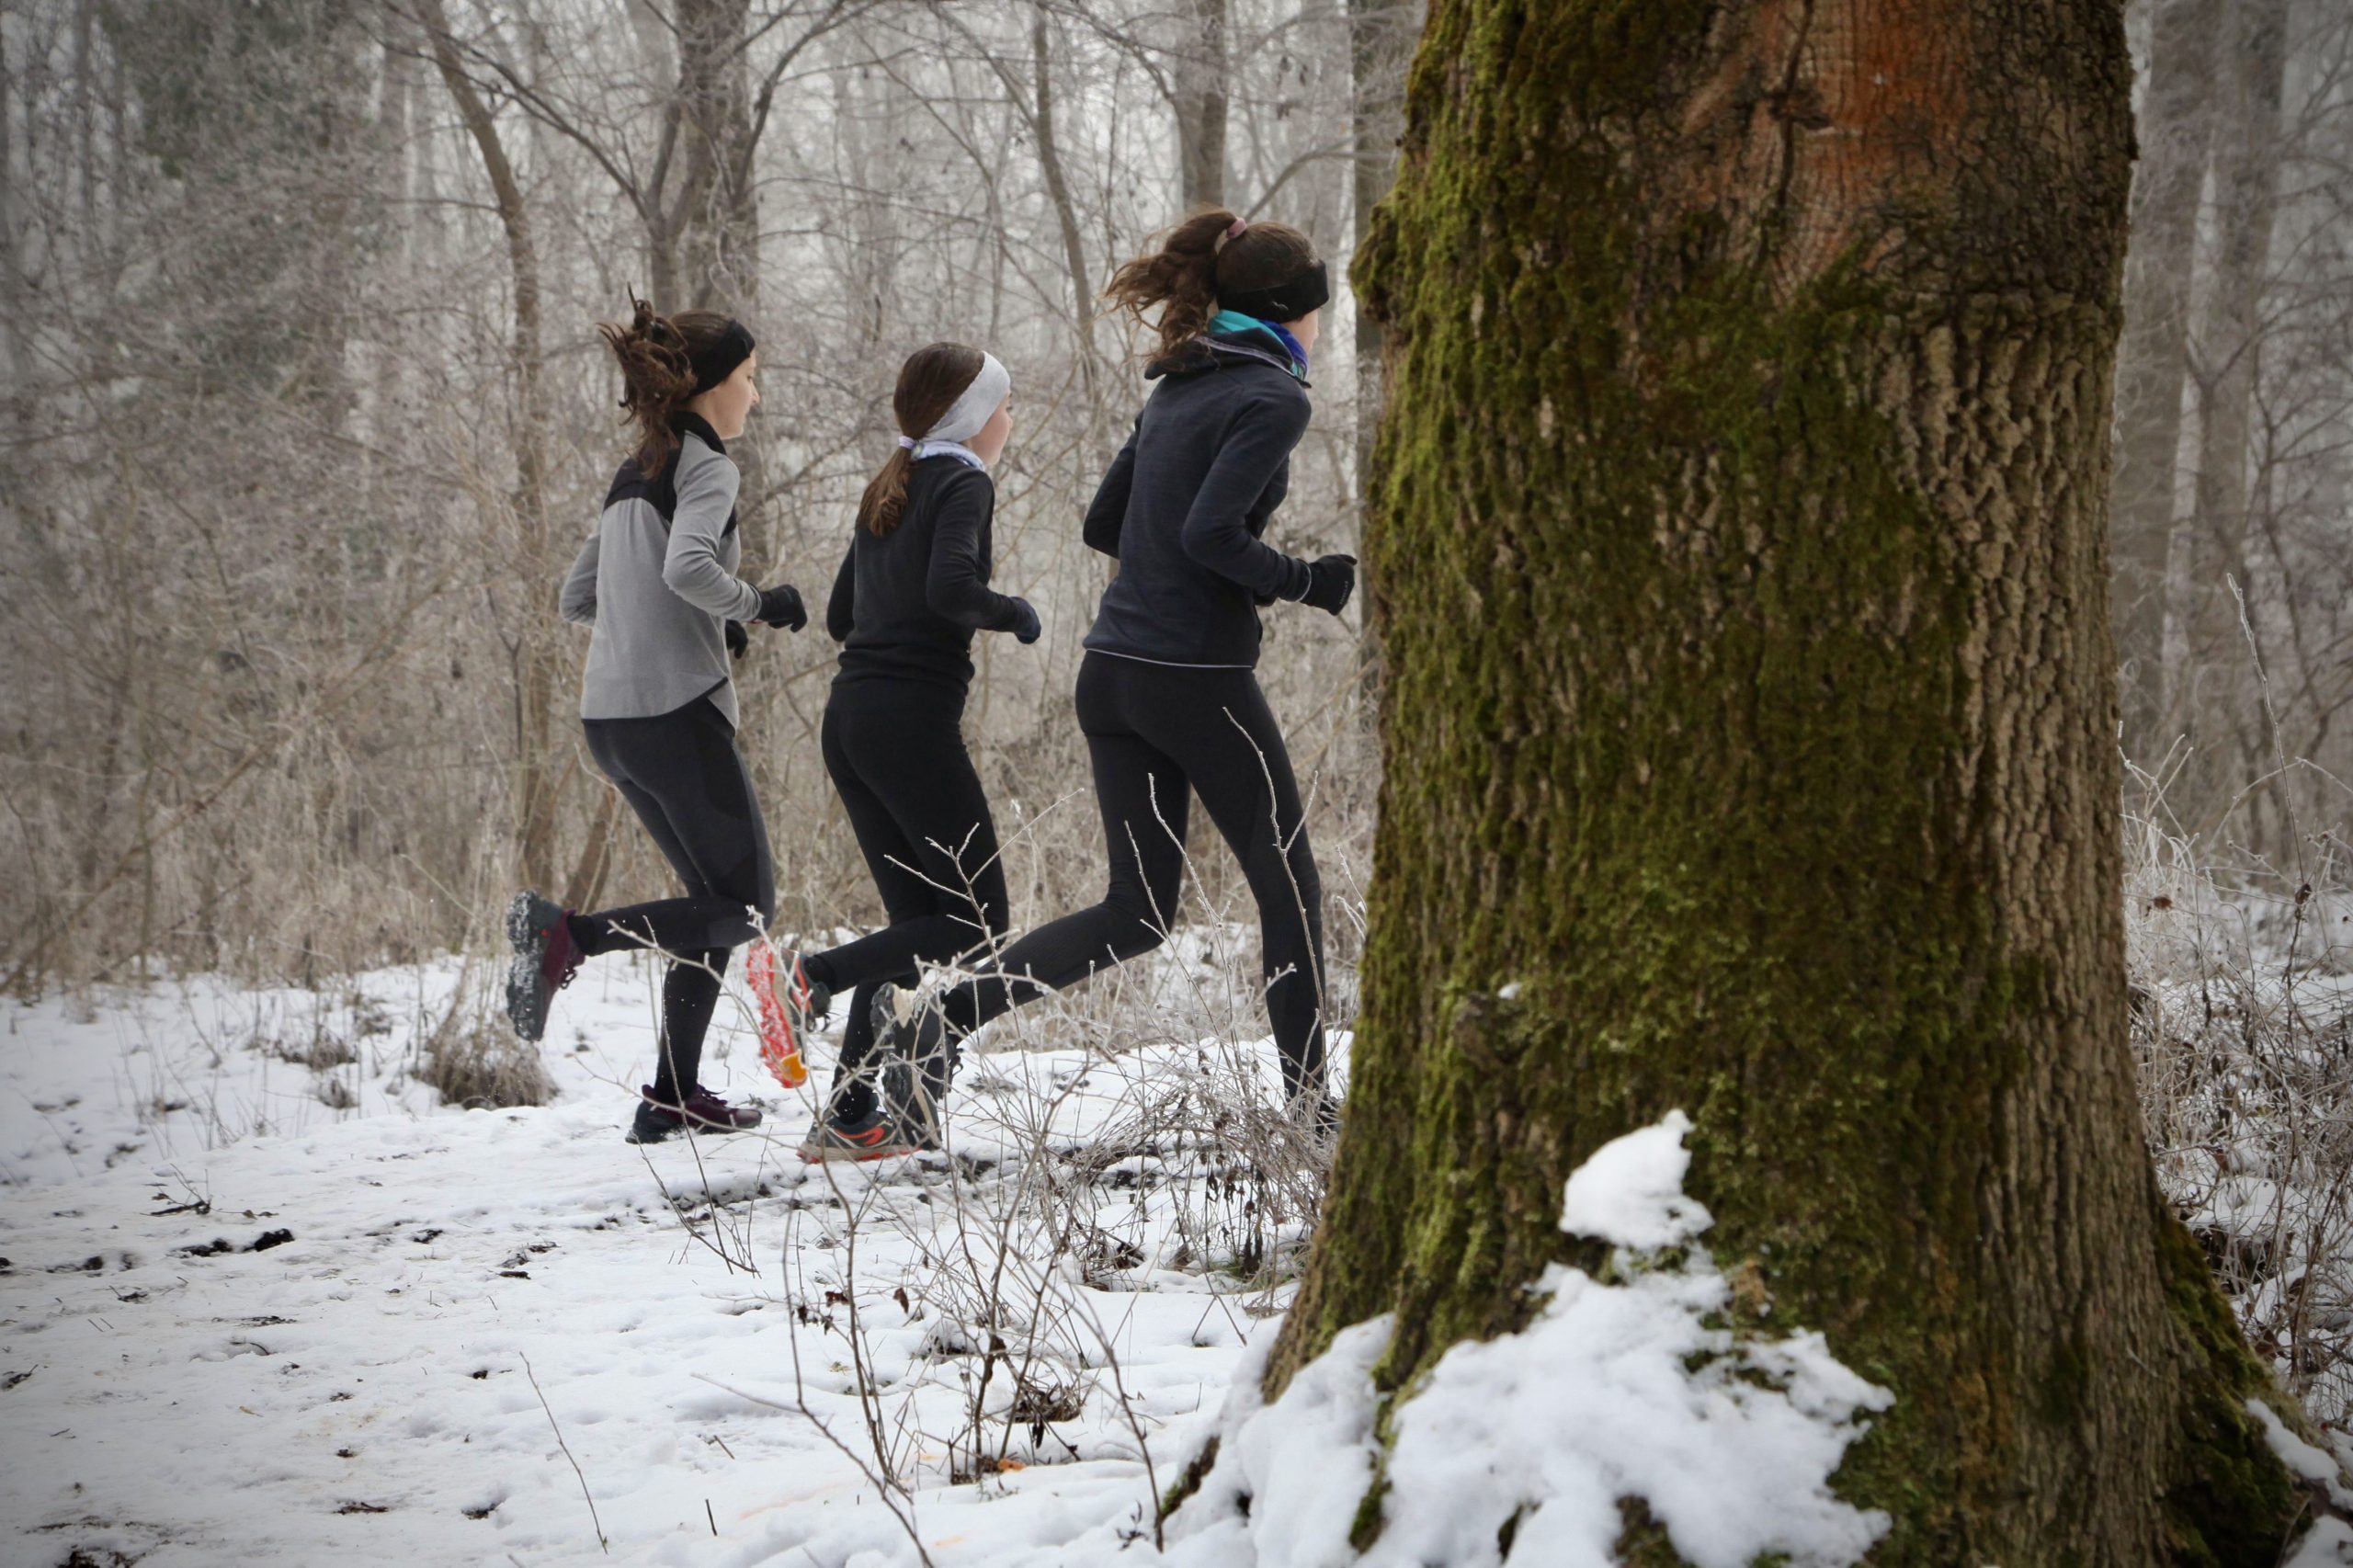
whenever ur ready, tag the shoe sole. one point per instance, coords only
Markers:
(524, 918)
(634, 1136)
(856, 1157)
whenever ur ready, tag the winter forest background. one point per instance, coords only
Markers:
(317, 291)
(304, 413)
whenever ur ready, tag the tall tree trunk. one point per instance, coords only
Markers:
(715, 214)
(1201, 104)
(2212, 699)
(1737, 550)
(394, 174)
(15, 329)
(713, 219)
(1380, 35)
(1050, 164)
(538, 785)
(321, 383)
(2152, 365)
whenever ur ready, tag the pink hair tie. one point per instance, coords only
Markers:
(908, 442)
(1234, 230)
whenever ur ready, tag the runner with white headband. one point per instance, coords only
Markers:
(911, 590)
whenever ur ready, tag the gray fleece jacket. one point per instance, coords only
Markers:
(656, 579)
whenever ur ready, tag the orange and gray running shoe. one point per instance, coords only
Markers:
(877, 1135)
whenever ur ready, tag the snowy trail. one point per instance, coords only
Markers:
(264, 1303)
(360, 1389)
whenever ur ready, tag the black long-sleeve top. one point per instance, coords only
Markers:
(1184, 503)
(905, 605)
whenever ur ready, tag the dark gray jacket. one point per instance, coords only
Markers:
(656, 579)
(1184, 503)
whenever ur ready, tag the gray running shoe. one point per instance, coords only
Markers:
(915, 1057)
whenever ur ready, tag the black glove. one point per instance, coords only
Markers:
(780, 608)
(1331, 579)
(1029, 629)
(739, 641)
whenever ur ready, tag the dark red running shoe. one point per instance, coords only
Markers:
(702, 1112)
(545, 959)
(704, 1108)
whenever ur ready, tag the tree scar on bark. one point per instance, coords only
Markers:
(1837, 113)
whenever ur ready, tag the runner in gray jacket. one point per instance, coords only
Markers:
(656, 581)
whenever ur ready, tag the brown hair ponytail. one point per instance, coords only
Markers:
(656, 353)
(1196, 260)
(931, 381)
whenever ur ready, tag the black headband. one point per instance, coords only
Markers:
(1285, 301)
(716, 363)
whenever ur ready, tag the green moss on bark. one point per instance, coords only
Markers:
(2228, 1501)
(1745, 715)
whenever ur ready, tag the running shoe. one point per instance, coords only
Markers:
(545, 959)
(915, 1056)
(701, 1111)
(877, 1135)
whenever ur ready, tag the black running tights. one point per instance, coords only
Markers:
(682, 776)
(1152, 731)
(897, 759)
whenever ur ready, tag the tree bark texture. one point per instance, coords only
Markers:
(1737, 551)
(713, 221)
(1380, 35)
(1201, 103)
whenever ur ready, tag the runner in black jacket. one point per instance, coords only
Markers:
(911, 590)
(1167, 694)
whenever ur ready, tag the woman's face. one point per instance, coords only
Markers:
(1305, 328)
(729, 404)
(989, 443)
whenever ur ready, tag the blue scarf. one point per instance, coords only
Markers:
(1233, 324)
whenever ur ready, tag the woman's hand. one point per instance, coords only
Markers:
(739, 641)
(1331, 579)
(1029, 629)
(780, 608)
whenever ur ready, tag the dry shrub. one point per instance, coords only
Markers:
(473, 1059)
(2241, 1026)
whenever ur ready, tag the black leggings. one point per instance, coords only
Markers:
(1152, 730)
(681, 775)
(915, 803)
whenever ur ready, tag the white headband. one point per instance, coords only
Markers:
(979, 401)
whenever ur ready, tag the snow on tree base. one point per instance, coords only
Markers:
(1617, 1391)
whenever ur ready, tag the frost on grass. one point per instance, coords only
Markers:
(1621, 1388)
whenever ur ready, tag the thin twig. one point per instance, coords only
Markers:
(604, 1545)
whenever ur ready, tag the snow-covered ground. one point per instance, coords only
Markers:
(254, 1312)
(264, 1300)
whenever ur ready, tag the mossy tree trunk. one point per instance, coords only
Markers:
(1737, 550)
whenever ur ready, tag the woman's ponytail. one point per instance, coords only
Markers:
(931, 381)
(1180, 277)
(1212, 252)
(886, 493)
(656, 355)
